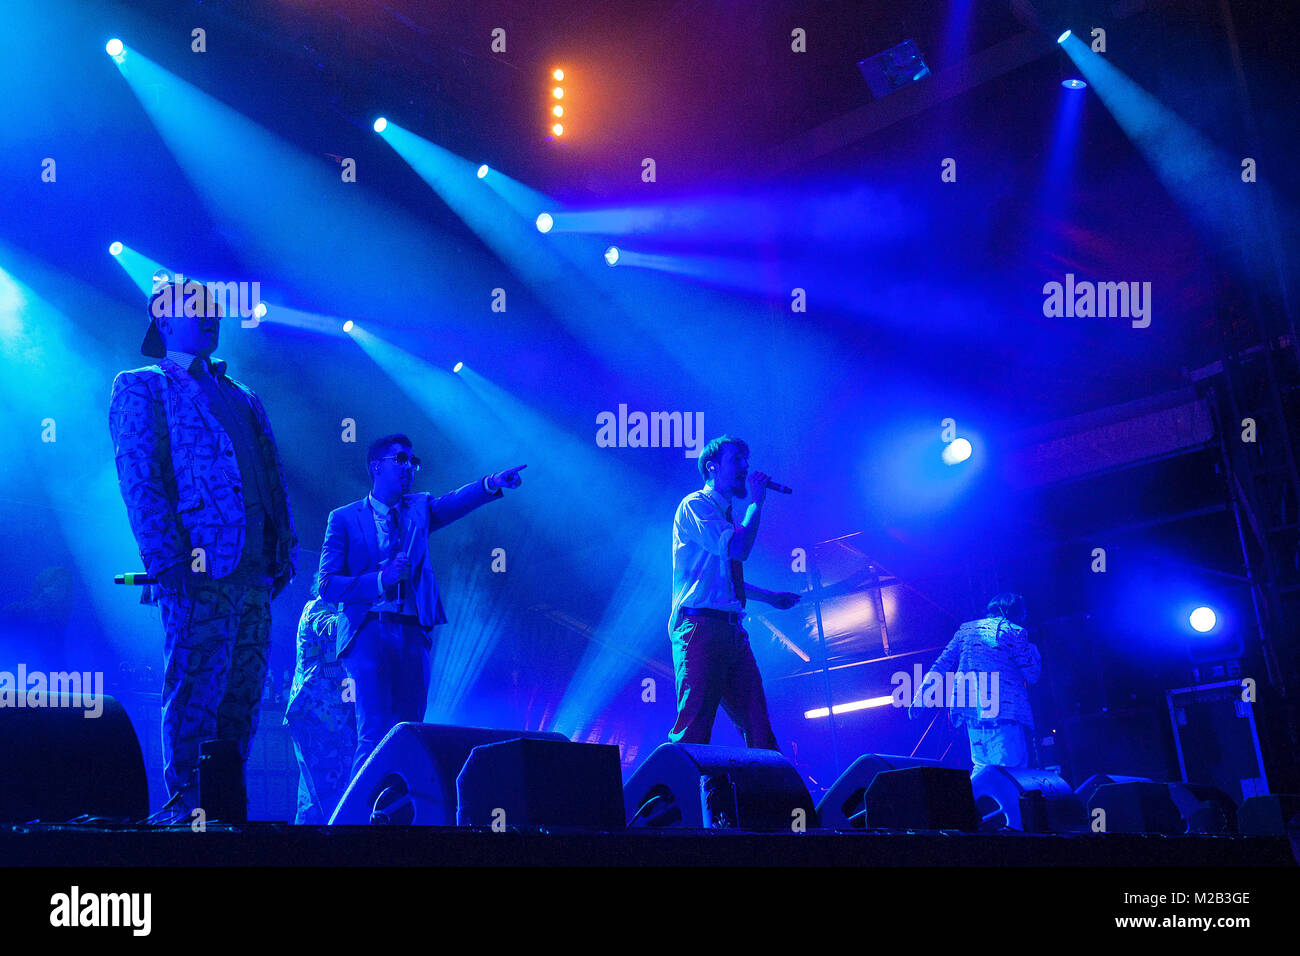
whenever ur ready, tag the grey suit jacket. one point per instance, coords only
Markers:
(350, 558)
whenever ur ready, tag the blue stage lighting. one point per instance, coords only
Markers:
(161, 277)
(381, 124)
(1074, 84)
(1063, 37)
(1203, 619)
(545, 222)
(259, 310)
(611, 255)
(483, 171)
(114, 48)
(347, 326)
(458, 366)
(115, 249)
(956, 451)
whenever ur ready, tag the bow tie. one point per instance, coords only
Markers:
(199, 367)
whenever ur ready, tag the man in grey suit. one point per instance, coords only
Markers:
(375, 563)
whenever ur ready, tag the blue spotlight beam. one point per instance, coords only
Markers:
(303, 224)
(634, 621)
(139, 267)
(570, 295)
(1201, 178)
(74, 475)
(477, 432)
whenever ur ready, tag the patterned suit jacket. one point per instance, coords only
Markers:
(178, 474)
(350, 558)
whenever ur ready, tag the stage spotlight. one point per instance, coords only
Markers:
(1074, 84)
(956, 451)
(381, 124)
(1203, 619)
(347, 326)
(458, 366)
(558, 74)
(115, 249)
(259, 310)
(558, 92)
(611, 256)
(558, 110)
(115, 49)
(545, 222)
(483, 171)
(557, 129)
(161, 277)
(1063, 37)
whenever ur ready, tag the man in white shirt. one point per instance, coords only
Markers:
(711, 655)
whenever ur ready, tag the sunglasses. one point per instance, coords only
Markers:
(402, 458)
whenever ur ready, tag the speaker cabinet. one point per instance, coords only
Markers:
(921, 798)
(536, 783)
(1137, 807)
(1030, 800)
(702, 786)
(1269, 815)
(843, 806)
(57, 762)
(410, 779)
(1204, 809)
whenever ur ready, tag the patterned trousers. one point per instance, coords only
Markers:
(216, 640)
(714, 665)
(1001, 745)
(324, 731)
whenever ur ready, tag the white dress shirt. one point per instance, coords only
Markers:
(701, 565)
(380, 511)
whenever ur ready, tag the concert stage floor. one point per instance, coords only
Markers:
(275, 844)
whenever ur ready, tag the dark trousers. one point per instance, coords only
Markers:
(215, 646)
(714, 665)
(389, 666)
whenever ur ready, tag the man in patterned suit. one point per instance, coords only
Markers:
(375, 562)
(205, 492)
(996, 650)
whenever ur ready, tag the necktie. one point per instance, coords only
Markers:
(394, 542)
(737, 572)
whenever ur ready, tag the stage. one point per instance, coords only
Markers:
(561, 435)
(283, 845)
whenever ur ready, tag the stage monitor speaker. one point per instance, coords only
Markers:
(1031, 800)
(1204, 809)
(844, 805)
(57, 763)
(541, 783)
(1271, 814)
(223, 794)
(410, 779)
(1086, 789)
(703, 786)
(921, 798)
(1136, 807)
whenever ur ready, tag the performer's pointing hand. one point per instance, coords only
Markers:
(508, 478)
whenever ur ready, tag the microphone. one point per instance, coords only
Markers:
(136, 577)
(778, 487)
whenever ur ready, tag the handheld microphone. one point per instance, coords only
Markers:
(778, 487)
